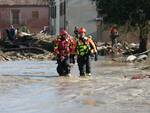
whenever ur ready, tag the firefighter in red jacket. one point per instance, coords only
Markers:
(113, 35)
(85, 46)
(62, 52)
(73, 44)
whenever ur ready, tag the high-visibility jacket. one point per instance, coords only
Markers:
(85, 46)
(92, 45)
(55, 43)
(73, 45)
(61, 47)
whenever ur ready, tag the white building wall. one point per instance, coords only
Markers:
(81, 13)
(59, 21)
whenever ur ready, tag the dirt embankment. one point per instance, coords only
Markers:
(34, 47)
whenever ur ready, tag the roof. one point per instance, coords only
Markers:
(23, 2)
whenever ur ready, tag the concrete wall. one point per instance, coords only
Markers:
(81, 13)
(4, 17)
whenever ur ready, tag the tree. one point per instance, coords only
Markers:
(133, 12)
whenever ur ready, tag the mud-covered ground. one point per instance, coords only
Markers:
(34, 87)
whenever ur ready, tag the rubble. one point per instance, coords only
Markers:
(40, 46)
(122, 52)
(27, 46)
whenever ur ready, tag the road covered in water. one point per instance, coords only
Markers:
(34, 87)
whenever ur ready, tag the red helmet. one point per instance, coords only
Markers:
(82, 30)
(63, 32)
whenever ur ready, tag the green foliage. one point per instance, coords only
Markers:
(124, 11)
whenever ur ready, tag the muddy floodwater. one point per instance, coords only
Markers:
(34, 87)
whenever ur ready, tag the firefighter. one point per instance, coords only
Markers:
(62, 52)
(84, 48)
(94, 47)
(11, 33)
(76, 31)
(113, 35)
(73, 45)
(72, 49)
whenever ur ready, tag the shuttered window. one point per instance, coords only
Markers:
(35, 15)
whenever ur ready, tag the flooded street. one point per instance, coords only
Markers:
(34, 87)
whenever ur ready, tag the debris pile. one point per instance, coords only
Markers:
(27, 46)
(122, 52)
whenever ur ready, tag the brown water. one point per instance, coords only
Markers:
(34, 87)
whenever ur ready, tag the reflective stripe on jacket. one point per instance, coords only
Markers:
(83, 47)
(61, 47)
(73, 45)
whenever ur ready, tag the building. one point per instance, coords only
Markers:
(71, 13)
(33, 13)
(57, 14)
(81, 13)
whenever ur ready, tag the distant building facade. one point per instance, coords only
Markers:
(57, 14)
(33, 13)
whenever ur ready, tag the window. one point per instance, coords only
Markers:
(35, 14)
(15, 16)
